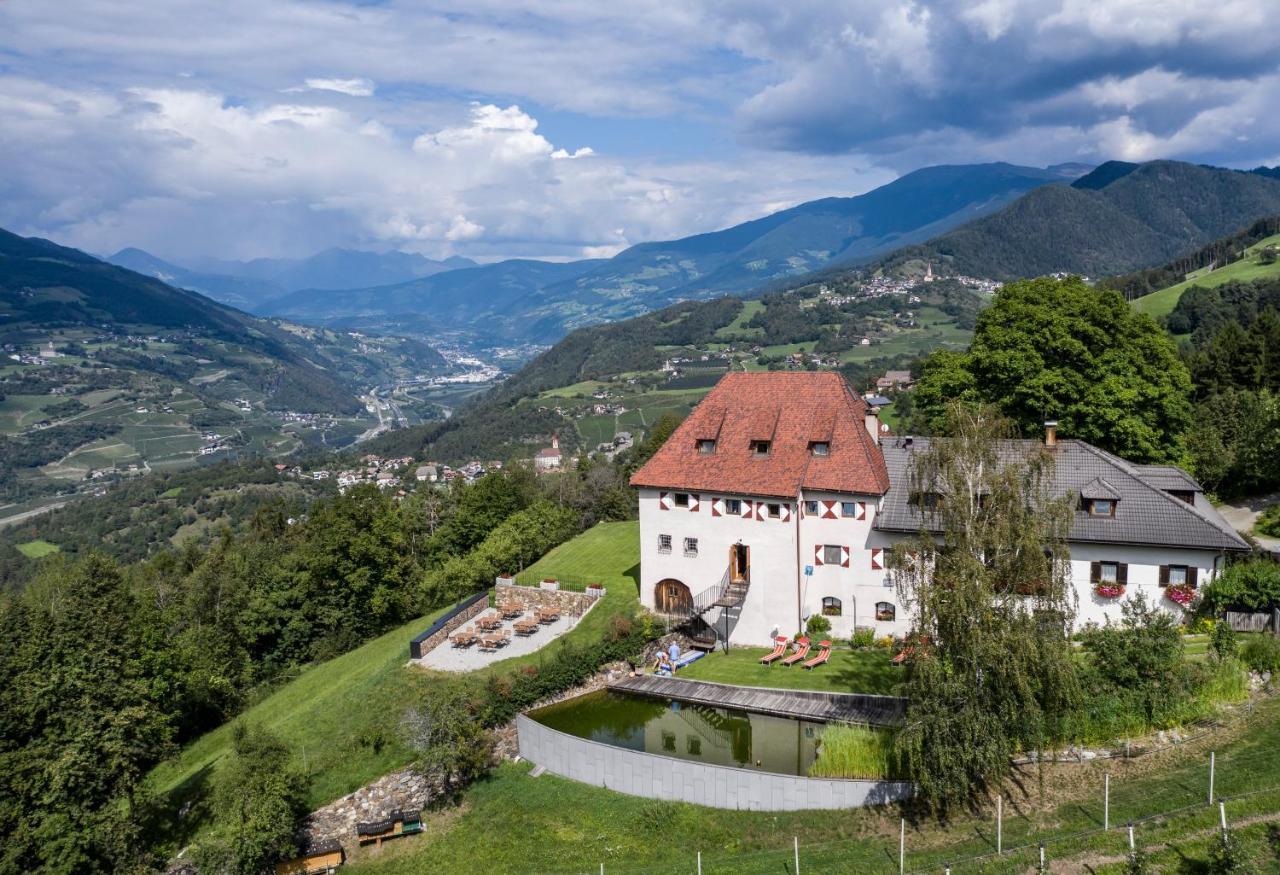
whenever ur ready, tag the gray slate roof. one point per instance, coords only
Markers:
(1145, 513)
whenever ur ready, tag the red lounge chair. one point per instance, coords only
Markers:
(903, 656)
(802, 650)
(824, 653)
(779, 648)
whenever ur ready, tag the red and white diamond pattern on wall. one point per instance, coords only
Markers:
(862, 511)
(817, 554)
(877, 558)
(664, 501)
(844, 557)
(761, 510)
(694, 502)
(748, 508)
(786, 513)
(717, 506)
(829, 510)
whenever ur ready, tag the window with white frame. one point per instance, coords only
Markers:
(831, 606)
(664, 543)
(832, 554)
(706, 447)
(848, 508)
(691, 547)
(733, 506)
(820, 448)
(811, 508)
(1109, 572)
(775, 511)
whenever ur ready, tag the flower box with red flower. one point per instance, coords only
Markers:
(1182, 594)
(1109, 590)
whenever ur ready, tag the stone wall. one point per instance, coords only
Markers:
(431, 642)
(404, 790)
(675, 780)
(529, 597)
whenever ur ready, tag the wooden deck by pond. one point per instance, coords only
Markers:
(805, 704)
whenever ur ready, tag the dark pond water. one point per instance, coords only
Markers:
(717, 736)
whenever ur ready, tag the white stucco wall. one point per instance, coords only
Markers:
(777, 568)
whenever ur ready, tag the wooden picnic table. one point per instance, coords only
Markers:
(465, 638)
(548, 615)
(510, 610)
(526, 626)
(489, 621)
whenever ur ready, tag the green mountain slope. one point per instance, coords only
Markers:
(1247, 267)
(1118, 218)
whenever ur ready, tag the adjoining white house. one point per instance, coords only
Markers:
(776, 499)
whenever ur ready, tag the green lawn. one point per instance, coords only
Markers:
(38, 548)
(848, 671)
(1161, 303)
(738, 327)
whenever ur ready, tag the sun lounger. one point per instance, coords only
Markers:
(802, 650)
(902, 656)
(824, 653)
(779, 648)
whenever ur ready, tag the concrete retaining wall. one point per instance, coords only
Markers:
(675, 780)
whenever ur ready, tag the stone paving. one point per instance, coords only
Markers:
(446, 657)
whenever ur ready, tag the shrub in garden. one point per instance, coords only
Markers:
(863, 636)
(1269, 522)
(1222, 640)
(817, 626)
(1261, 653)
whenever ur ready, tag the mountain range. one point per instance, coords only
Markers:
(529, 300)
(247, 284)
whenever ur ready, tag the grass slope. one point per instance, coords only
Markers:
(341, 717)
(1247, 269)
(37, 549)
(520, 824)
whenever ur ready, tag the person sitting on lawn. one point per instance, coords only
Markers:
(664, 665)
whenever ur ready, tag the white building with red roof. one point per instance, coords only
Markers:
(777, 499)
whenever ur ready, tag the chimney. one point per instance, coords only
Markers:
(872, 420)
(1051, 433)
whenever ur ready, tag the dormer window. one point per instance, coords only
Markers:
(819, 448)
(927, 500)
(760, 448)
(1100, 507)
(706, 447)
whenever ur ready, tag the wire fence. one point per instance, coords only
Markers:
(1099, 826)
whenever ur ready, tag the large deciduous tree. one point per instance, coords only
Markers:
(1058, 349)
(986, 584)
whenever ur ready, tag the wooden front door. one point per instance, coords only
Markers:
(672, 597)
(739, 561)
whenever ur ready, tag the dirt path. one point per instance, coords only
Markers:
(1243, 514)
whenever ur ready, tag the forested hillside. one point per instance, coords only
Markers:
(1116, 220)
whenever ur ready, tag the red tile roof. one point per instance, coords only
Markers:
(789, 409)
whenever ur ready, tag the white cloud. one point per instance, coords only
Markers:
(350, 87)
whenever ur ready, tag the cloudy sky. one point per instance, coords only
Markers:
(567, 128)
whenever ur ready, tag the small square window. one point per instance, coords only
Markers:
(693, 745)
(775, 511)
(682, 499)
(820, 448)
(669, 741)
(1102, 507)
(691, 547)
(664, 543)
(1109, 572)
(831, 554)
(1177, 575)
(811, 508)
(848, 508)
(733, 506)
(706, 447)
(760, 448)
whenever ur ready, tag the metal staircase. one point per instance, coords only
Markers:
(728, 593)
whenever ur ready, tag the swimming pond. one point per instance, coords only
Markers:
(715, 736)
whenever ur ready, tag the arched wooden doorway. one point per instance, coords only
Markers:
(671, 596)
